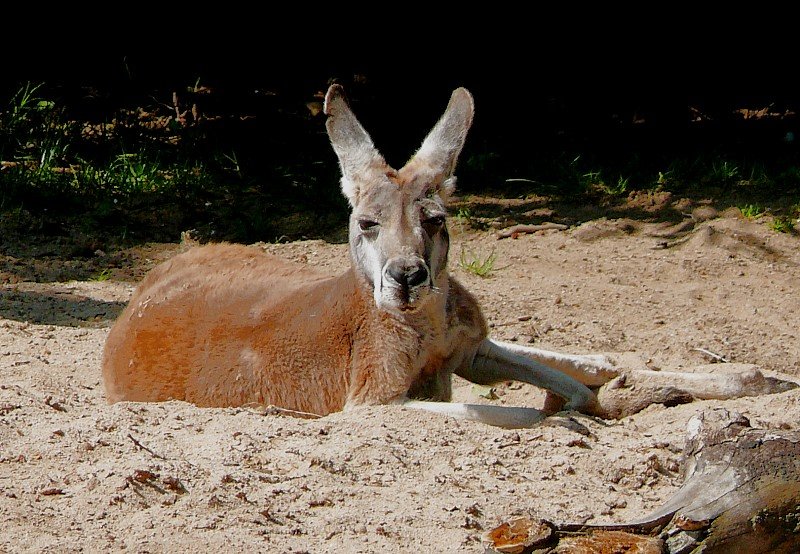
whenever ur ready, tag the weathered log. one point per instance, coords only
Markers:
(634, 390)
(741, 489)
(741, 494)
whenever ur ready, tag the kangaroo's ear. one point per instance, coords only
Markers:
(439, 152)
(358, 158)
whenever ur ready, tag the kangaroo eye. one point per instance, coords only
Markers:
(436, 221)
(367, 224)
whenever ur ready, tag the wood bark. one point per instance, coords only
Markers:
(741, 494)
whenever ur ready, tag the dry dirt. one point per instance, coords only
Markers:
(79, 475)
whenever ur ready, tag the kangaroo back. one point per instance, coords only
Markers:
(227, 325)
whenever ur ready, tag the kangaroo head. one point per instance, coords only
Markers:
(398, 236)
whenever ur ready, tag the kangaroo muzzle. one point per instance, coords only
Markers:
(406, 275)
(406, 278)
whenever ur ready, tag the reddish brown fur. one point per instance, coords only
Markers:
(227, 325)
(209, 325)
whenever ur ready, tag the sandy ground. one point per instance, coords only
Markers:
(78, 475)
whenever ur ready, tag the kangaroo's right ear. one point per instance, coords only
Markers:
(436, 159)
(357, 155)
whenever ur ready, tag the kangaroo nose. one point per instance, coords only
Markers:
(407, 276)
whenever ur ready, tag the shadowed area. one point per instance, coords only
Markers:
(57, 308)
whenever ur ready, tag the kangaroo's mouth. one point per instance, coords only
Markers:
(402, 298)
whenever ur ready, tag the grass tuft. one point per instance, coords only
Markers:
(103, 275)
(751, 211)
(782, 224)
(477, 264)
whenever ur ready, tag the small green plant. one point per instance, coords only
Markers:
(467, 220)
(477, 264)
(24, 102)
(590, 178)
(231, 163)
(573, 177)
(751, 211)
(664, 177)
(594, 180)
(463, 217)
(620, 188)
(782, 224)
(34, 133)
(135, 173)
(104, 275)
(723, 172)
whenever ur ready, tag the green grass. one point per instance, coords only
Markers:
(33, 133)
(481, 265)
(751, 211)
(46, 153)
(782, 224)
(594, 181)
(103, 275)
(144, 171)
(465, 219)
(620, 188)
(463, 216)
(723, 172)
(664, 178)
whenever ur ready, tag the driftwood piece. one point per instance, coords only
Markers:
(634, 390)
(742, 487)
(741, 494)
(609, 542)
(524, 534)
(515, 230)
(521, 534)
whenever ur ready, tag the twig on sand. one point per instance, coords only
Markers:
(516, 230)
(717, 357)
(143, 447)
(276, 410)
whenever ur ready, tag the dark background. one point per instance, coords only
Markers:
(531, 76)
(629, 95)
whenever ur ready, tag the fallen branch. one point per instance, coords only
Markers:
(741, 494)
(712, 355)
(143, 447)
(277, 410)
(516, 230)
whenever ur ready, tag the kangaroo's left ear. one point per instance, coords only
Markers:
(439, 151)
(359, 160)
